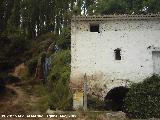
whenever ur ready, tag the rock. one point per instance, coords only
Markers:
(53, 112)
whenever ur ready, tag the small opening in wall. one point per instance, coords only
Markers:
(117, 54)
(94, 28)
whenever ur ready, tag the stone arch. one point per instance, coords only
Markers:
(114, 84)
(114, 95)
(114, 100)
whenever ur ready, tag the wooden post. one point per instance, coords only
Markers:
(85, 92)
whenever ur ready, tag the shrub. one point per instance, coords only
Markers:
(61, 98)
(59, 77)
(61, 67)
(142, 100)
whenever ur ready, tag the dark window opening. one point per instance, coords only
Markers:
(117, 54)
(94, 28)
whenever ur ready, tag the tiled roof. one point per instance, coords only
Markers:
(115, 17)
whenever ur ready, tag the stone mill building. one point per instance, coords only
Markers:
(112, 51)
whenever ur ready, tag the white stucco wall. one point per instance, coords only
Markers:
(93, 53)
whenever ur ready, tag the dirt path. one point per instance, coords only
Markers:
(15, 101)
(19, 94)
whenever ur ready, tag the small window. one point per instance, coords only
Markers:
(94, 28)
(117, 53)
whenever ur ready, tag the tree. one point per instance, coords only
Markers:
(5, 12)
(127, 6)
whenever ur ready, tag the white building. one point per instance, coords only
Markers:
(114, 50)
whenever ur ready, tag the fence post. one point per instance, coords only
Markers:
(85, 92)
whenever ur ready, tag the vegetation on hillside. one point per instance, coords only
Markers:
(61, 97)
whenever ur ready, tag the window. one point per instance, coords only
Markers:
(117, 53)
(94, 28)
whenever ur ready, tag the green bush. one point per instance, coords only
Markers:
(61, 67)
(61, 98)
(142, 100)
(59, 78)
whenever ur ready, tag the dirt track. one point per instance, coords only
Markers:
(19, 94)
